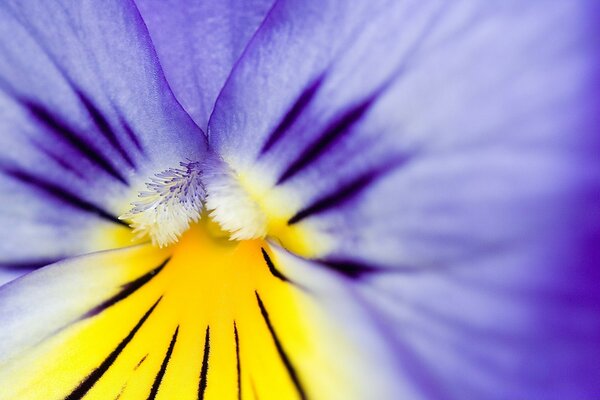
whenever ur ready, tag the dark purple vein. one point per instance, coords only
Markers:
(334, 199)
(63, 131)
(292, 114)
(61, 194)
(332, 133)
(104, 126)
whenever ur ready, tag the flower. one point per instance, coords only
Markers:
(368, 199)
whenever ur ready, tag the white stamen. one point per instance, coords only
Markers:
(229, 203)
(173, 201)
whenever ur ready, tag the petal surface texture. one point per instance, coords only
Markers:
(207, 318)
(443, 155)
(86, 115)
(198, 43)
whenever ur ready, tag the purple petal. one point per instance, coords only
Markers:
(85, 113)
(198, 42)
(428, 138)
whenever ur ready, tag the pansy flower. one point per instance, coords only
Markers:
(326, 199)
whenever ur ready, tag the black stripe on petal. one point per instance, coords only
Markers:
(163, 368)
(332, 133)
(139, 364)
(293, 113)
(97, 373)
(282, 354)
(238, 365)
(64, 132)
(274, 271)
(126, 290)
(61, 194)
(204, 371)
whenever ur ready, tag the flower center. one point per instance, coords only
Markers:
(173, 200)
(244, 206)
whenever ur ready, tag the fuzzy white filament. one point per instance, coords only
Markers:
(173, 201)
(229, 203)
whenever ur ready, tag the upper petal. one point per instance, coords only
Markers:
(404, 134)
(198, 43)
(86, 114)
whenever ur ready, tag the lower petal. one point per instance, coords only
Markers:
(205, 318)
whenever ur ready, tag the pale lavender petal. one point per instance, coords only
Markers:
(198, 42)
(85, 111)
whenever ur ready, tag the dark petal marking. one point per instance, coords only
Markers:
(27, 264)
(62, 130)
(163, 368)
(350, 189)
(293, 113)
(282, 354)
(274, 271)
(333, 132)
(127, 289)
(59, 160)
(237, 359)
(336, 198)
(350, 269)
(61, 194)
(97, 373)
(140, 362)
(104, 126)
(121, 391)
(204, 371)
(132, 136)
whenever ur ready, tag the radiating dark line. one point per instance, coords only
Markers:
(61, 129)
(121, 391)
(351, 189)
(274, 271)
(351, 269)
(126, 290)
(27, 264)
(293, 113)
(104, 126)
(131, 134)
(333, 132)
(163, 368)
(237, 358)
(62, 194)
(140, 362)
(204, 372)
(59, 160)
(97, 373)
(334, 199)
(282, 354)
